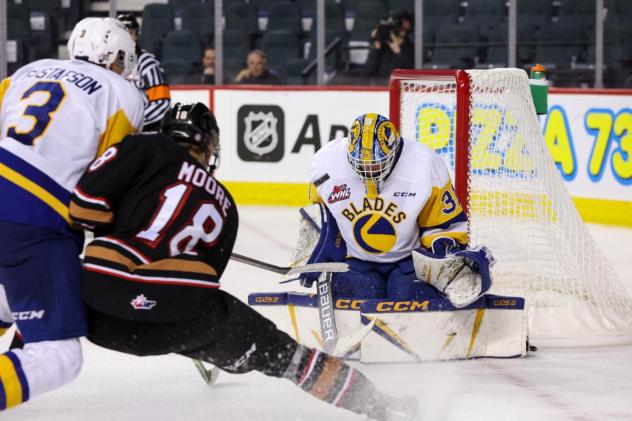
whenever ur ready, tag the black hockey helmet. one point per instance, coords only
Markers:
(129, 20)
(193, 124)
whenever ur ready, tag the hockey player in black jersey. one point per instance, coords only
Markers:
(164, 231)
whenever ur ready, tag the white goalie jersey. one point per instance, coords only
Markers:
(416, 204)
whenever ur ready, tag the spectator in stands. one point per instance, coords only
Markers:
(204, 72)
(257, 72)
(150, 79)
(390, 48)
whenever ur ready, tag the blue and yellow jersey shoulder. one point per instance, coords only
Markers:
(442, 215)
(55, 118)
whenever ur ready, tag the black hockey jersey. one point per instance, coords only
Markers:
(164, 229)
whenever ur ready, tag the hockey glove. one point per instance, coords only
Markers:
(462, 276)
(330, 247)
(442, 246)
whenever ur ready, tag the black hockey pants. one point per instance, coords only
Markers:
(230, 335)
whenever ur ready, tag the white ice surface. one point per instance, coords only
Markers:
(574, 385)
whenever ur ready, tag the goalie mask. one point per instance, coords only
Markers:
(373, 145)
(194, 124)
(103, 41)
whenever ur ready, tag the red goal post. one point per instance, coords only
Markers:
(462, 81)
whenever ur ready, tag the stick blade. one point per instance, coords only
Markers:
(209, 375)
(319, 267)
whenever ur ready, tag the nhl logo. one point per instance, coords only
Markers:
(261, 136)
(260, 133)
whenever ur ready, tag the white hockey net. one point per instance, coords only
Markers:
(519, 206)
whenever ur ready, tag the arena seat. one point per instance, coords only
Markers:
(368, 15)
(200, 18)
(157, 22)
(183, 45)
(285, 16)
(241, 17)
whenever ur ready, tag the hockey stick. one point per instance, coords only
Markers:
(287, 270)
(328, 330)
(350, 344)
(210, 375)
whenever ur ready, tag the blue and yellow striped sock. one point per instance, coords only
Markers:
(14, 388)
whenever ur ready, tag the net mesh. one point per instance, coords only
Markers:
(520, 208)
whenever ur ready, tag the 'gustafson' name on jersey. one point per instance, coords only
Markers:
(388, 209)
(82, 81)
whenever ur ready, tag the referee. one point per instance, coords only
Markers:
(151, 80)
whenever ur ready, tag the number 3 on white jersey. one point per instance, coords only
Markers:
(39, 114)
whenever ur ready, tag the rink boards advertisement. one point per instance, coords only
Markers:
(269, 137)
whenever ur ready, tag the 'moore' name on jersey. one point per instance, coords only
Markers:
(193, 174)
(415, 206)
(56, 116)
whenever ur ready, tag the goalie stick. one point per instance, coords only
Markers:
(328, 331)
(288, 270)
(209, 375)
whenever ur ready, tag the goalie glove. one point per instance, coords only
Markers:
(330, 246)
(462, 276)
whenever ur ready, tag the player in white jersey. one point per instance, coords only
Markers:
(387, 196)
(56, 116)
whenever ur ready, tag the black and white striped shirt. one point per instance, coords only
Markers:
(152, 82)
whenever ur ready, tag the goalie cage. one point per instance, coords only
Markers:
(483, 123)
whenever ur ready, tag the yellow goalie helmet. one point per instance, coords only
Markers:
(373, 145)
